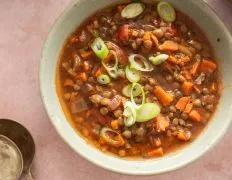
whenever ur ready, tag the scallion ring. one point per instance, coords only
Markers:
(132, 10)
(129, 114)
(112, 71)
(103, 79)
(166, 11)
(99, 48)
(141, 65)
(129, 109)
(132, 75)
(112, 137)
(156, 60)
(147, 112)
(129, 121)
(137, 85)
(126, 91)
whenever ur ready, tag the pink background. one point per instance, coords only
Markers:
(24, 25)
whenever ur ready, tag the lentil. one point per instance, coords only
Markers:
(104, 110)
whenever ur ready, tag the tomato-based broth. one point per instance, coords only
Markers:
(138, 80)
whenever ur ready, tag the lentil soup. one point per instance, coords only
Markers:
(138, 80)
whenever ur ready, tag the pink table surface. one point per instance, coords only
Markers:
(24, 25)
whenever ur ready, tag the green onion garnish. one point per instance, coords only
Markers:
(156, 60)
(147, 112)
(103, 79)
(112, 137)
(132, 74)
(137, 85)
(99, 48)
(132, 10)
(126, 91)
(112, 71)
(139, 63)
(129, 114)
(166, 11)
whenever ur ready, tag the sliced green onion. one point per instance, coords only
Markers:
(142, 65)
(156, 60)
(129, 121)
(126, 91)
(129, 114)
(147, 112)
(166, 11)
(112, 71)
(103, 79)
(129, 109)
(132, 74)
(132, 10)
(112, 137)
(99, 48)
(136, 85)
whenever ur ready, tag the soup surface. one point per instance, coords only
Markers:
(138, 80)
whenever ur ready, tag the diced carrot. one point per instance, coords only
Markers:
(155, 152)
(213, 88)
(68, 82)
(147, 36)
(182, 103)
(187, 87)
(162, 123)
(187, 75)
(123, 33)
(164, 97)
(195, 116)
(114, 124)
(195, 68)
(184, 135)
(83, 76)
(188, 108)
(155, 40)
(173, 60)
(100, 71)
(86, 54)
(208, 66)
(169, 46)
(197, 89)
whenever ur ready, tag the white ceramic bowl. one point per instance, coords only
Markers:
(66, 24)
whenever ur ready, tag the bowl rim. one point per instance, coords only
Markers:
(96, 162)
